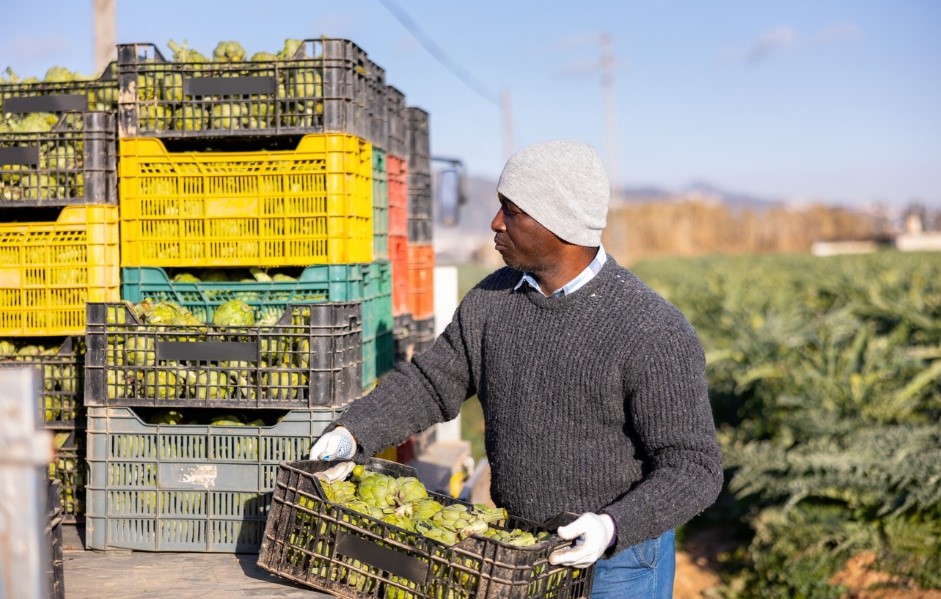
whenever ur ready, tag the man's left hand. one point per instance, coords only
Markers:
(593, 534)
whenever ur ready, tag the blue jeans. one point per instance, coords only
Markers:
(643, 571)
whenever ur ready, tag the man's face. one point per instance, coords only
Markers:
(524, 243)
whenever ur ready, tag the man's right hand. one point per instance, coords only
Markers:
(338, 444)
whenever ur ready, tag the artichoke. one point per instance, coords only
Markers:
(233, 313)
(377, 490)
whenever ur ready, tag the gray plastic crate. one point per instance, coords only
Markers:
(200, 488)
(312, 357)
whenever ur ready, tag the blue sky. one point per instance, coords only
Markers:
(834, 100)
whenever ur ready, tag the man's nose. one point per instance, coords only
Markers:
(496, 225)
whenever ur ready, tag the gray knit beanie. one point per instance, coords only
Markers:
(562, 185)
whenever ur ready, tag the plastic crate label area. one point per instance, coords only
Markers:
(73, 163)
(334, 548)
(202, 488)
(49, 270)
(62, 376)
(325, 85)
(311, 205)
(311, 358)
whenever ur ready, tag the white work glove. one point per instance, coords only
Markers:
(338, 472)
(338, 444)
(593, 534)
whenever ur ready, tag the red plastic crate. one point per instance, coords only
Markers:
(398, 256)
(421, 280)
(397, 177)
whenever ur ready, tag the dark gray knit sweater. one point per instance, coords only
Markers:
(595, 401)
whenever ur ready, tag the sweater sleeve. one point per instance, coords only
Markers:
(414, 396)
(667, 404)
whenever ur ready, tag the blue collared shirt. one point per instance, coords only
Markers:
(575, 284)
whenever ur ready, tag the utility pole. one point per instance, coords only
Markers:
(506, 109)
(610, 111)
(104, 34)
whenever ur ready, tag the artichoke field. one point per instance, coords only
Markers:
(825, 380)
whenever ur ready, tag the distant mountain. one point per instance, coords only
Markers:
(473, 227)
(698, 189)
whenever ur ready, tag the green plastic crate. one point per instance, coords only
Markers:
(199, 488)
(318, 283)
(380, 205)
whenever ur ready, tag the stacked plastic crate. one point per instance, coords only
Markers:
(421, 252)
(397, 171)
(58, 247)
(270, 167)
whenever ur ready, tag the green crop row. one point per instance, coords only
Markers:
(825, 381)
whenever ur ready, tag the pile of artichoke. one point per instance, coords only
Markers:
(133, 370)
(297, 100)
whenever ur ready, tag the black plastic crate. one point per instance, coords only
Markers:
(403, 337)
(74, 163)
(62, 377)
(99, 94)
(328, 85)
(417, 140)
(419, 196)
(395, 114)
(312, 357)
(332, 548)
(420, 231)
(423, 332)
(55, 571)
(377, 110)
(69, 468)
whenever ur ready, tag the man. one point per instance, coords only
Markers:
(592, 386)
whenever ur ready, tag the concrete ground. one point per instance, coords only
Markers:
(120, 574)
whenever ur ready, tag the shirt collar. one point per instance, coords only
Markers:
(575, 284)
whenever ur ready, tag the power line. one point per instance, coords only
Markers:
(439, 54)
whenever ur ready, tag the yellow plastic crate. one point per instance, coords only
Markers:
(49, 270)
(310, 205)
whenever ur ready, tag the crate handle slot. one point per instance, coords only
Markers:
(24, 155)
(390, 560)
(229, 86)
(208, 351)
(52, 103)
